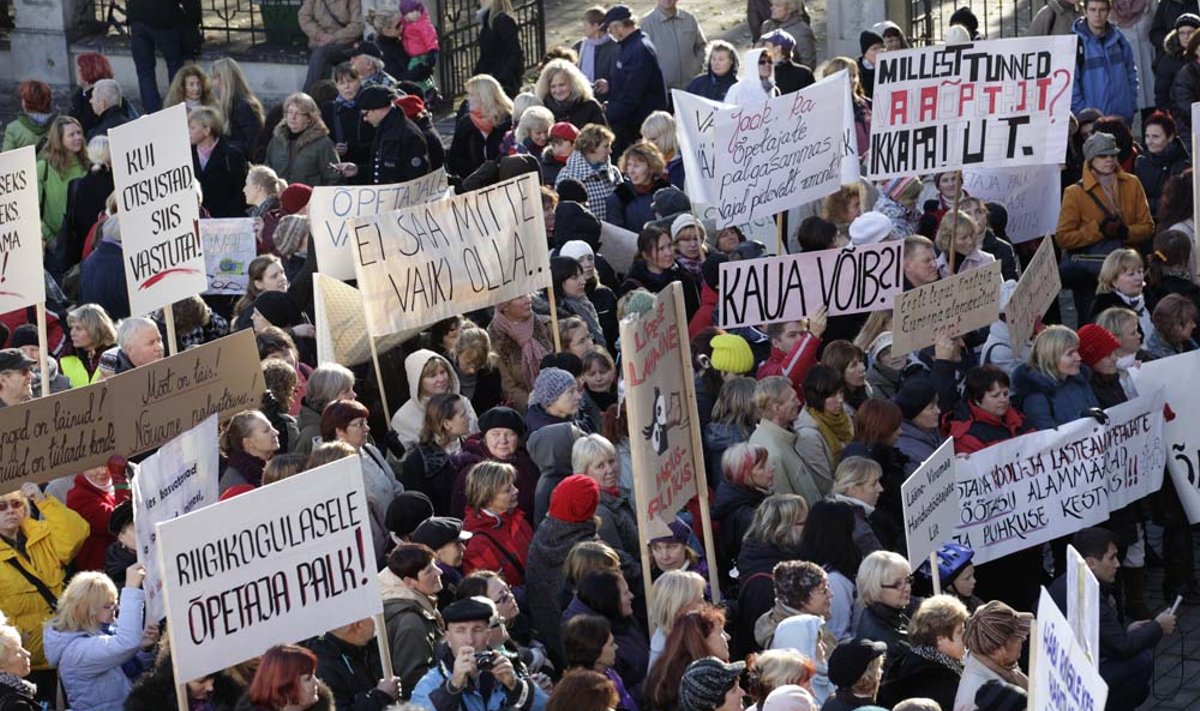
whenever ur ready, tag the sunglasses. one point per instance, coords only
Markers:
(764, 62)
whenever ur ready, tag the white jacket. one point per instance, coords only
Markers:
(408, 419)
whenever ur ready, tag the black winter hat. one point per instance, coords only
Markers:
(998, 219)
(868, 39)
(501, 416)
(914, 396)
(406, 512)
(512, 166)
(965, 17)
(574, 221)
(571, 190)
(120, 517)
(375, 97)
(564, 361)
(711, 269)
(1188, 19)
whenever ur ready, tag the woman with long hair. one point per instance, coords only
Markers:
(242, 110)
(500, 53)
(87, 198)
(478, 368)
(63, 159)
(192, 88)
(655, 267)
(696, 634)
(774, 536)
(587, 690)
(1169, 269)
(829, 542)
(1175, 205)
(564, 90)
(427, 468)
(1174, 324)
(262, 190)
(300, 150)
(481, 128)
(605, 593)
(959, 233)
(675, 592)
(286, 680)
(659, 129)
(589, 644)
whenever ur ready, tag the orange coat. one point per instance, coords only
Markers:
(1080, 217)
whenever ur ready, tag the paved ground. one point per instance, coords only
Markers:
(1176, 682)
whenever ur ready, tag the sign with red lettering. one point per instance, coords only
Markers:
(1000, 103)
(159, 210)
(661, 412)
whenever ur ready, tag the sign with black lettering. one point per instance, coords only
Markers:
(791, 287)
(1181, 436)
(422, 264)
(22, 279)
(1000, 103)
(282, 563)
(159, 210)
(948, 307)
(930, 504)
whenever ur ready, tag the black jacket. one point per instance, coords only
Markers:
(756, 592)
(577, 113)
(163, 14)
(791, 77)
(112, 117)
(346, 126)
(640, 277)
(435, 480)
(156, 690)
(351, 673)
(1164, 19)
(500, 53)
(243, 126)
(1172, 285)
(398, 153)
(1003, 251)
(1185, 90)
(81, 109)
(14, 699)
(86, 198)
(433, 140)
(711, 86)
(1170, 61)
(885, 624)
(606, 58)
(469, 149)
(1154, 170)
(1117, 641)
(887, 521)
(915, 676)
(733, 508)
(222, 180)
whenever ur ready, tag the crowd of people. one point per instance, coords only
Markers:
(500, 492)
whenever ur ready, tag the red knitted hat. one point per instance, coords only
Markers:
(411, 105)
(1095, 343)
(294, 197)
(575, 498)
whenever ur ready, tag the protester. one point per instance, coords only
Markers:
(775, 535)
(348, 662)
(855, 668)
(721, 72)
(300, 150)
(286, 679)
(410, 585)
(636, 87)
(993, 636)
(933, 666)
(605, 593)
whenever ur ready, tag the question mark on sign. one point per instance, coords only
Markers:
(1066, 85)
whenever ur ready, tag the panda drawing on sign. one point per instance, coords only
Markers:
(656, 432)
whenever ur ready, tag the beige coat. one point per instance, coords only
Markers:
(790, 476)
(341, 18)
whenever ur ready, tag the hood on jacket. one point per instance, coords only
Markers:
(748, 89)
(1171, 44)
(314, 132)
(731, 497)
(555, 538)
(574, 221)
(416, 362)
(550, 448)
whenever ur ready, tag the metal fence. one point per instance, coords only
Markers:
(226, 22)
(458, 34)
(997, 18)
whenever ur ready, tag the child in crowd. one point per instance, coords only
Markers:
(420, 42)
(599, 377)
(554, 156)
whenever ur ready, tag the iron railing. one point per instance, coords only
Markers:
(459, 34)
(997, 18)
(228, 22)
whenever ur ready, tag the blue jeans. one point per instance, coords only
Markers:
(143, 40)
(321, 60)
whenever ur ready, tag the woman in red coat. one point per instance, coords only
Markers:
(95, 494)
(501, 534)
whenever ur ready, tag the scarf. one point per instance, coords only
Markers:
(250, 466)
(265, 206)
(532, 350)
(344, 103)
(482, 123)
(560, 109)
(1137, 304)
(436, 457)
(835, 429)
(587, 56)
(39, 118)
(583, 308)
(934, 655)
(1012, 675)
(16, 682)
(1127, 12)
(691, 266)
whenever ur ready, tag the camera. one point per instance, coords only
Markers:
(484, 661)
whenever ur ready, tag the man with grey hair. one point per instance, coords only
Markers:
(106, 103)
(139, 342)
(367, 60)
(16, 377)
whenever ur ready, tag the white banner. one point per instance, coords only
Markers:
(1032, 195)
(229, 247)
(791, 287)
(782, 153)
(179, 478)
(695, 131)
(1037, 487)
(282, 563)
(999, 103)
(422, 264)
(930, 501)
(1062, 678)
(1181, 436)
(1083, 604)
(159, 210)
(330, 210)
(22, 277)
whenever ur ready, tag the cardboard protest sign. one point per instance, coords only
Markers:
(22, 279)
(422, 264)
(788, 288)
(1032, 196)
(1062, 678)
(1037, 487)
(229, 247)
(1035, 292)
(953, 306)
(278, 564)
(341, 328)
(160, 215)
(999, 103)
(1083, 605)
(782, 153)
(930, 501)
(177, 479)
(129, 413)
(330, 208)
(1181, 437)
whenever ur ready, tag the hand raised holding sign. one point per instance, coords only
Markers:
(134, 575)
(818, 321)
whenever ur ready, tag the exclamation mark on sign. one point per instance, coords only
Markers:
(362, 560)
(4, 269)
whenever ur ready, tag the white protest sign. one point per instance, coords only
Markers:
(179, 478)
(1035, 292)
(22, 278)
(782, 153)
(282, 563)
(930, 501)
(953, 306)
(229, 247)
(1181, 436)
(1037, 487)
(791, 287)
(999, 103)
(425, 263)
(330, 208)
(160, 215)
(695, 119)
(1083, 604)
(1062, 677)
(1032, 196)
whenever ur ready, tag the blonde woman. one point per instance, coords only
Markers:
(90, 643)
(856, 482)
(884, 585)
(300, 150)
(478, 368)
(191, 88)
(92, 333)
(222, 167)
(959, 232)
(781, 667)
(502, 535)
(428, 374)
(596, 457)
(500, 53)
(564, 90)
(933, 667)
(1052, 388)
(533, 130)
(16, 694)
(773, 537)
(659, 129)
(1122, 282)
(242, 110)
(675, 592)
(480, 131)
(63, 159)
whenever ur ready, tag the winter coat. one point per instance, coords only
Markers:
(81, 108)
(640, 277)
(997, 349)
(756, 592)
(16, 696)
(244, 125)
(545, 574)
(733, 508)
(885, 624)
(718, 437)
(974, 429)
(304, 159)
(550, 449)
(484, 693)
(414, 629)
(50, 544)
(1185, 90)
(324, 701)
(816, 461)
(915, 676)
(1002, 249)
(1169, 65)
(345, 125)
(679, 42)
(52, 189)
(512, 375)
(794, 365)
(629, 207)
(340, 18)
(429, 468)
(25, 131)
(974, 675)
(102, 279)
(474, 450)
(633, 657)
(407, 421)
(600, 182)
(90, 664)
(501, 543)
(117, 560)
(549, 167)
(605, 61)
(112, 117)
(889, 514)
(917, 444)
(399, 152)
(805, 50)
(155, 690)
(791, 77)
(222, 179)
(1165, 16)
(1047, 404)
(1154, 170)
(1080, 218)
(500, 53)
(1137, 32)
(974, 260)
(470, 149)
(95, 505)
(578, 113)
(309, 424)
(1109, 77)
(86, 197)
(351, 673)
(636, 88)
(791, 474)
(618, 523)
(1055, 18)
(711, 86)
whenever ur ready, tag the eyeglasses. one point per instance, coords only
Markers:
(504, 597)
(764, 62)
(899, 584)
(16, 504)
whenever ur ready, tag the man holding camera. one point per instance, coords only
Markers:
(471, 676)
